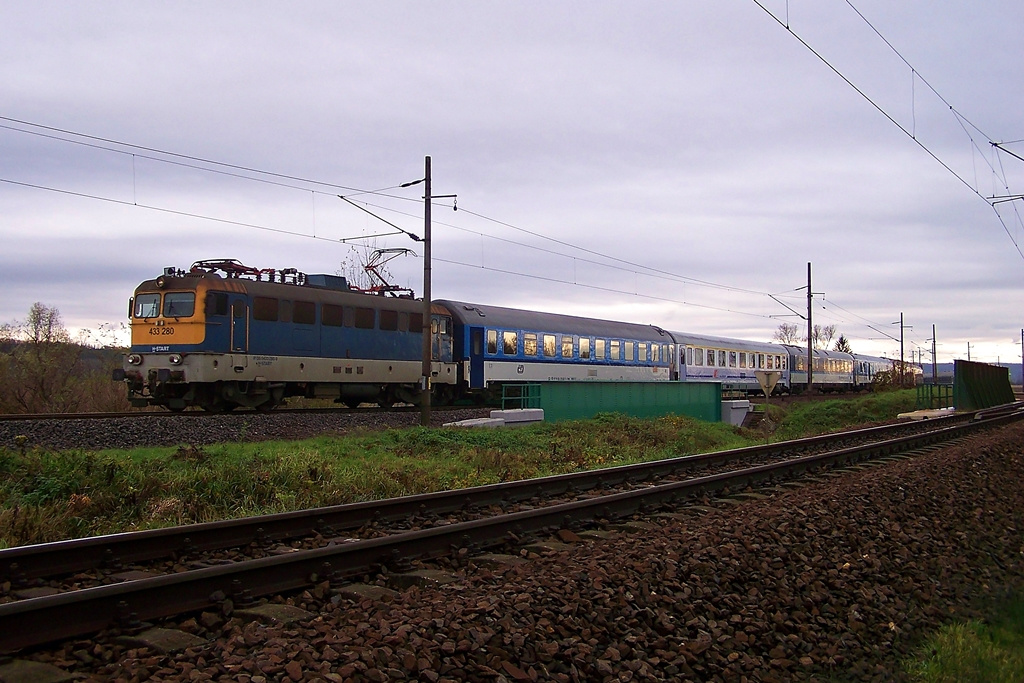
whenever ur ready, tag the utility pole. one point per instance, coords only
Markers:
(427, 326)
(810, 355)
(935, 370)
(903, 368)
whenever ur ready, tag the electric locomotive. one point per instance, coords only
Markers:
(223, 335)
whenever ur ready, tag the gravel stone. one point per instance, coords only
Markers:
(837, 580)
(201, 430)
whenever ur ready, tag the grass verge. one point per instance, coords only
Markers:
(49, 496)
(975, 652)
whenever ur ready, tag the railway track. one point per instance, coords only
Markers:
(287, 552)
(192, 414)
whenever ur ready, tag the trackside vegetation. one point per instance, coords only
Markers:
(975, 651)
(49, 496)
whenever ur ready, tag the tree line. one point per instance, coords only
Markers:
(44, 370)
(821, 337)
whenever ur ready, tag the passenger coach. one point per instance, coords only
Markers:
(495, 345)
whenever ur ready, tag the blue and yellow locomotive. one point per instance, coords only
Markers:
(223, 335)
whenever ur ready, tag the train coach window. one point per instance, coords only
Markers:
(330, 315)
(264, 308)
(510, 343)
(616, 353)
(655, 353)
(530, 344)
(492, 341)
(216, 303)
(389, 320)
(743, 359)
(304, 313)
(147, 306)
(179, 304)
(698, 356)
(567, 346)
(641, 352)
(721, 359)
(549, 345)
(584, 348)
(365, 318)
(770, 365)
(688, 358)
(599, 349)
(732, 359)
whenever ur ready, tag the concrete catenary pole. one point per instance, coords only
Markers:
(425, 379)
(810, 355)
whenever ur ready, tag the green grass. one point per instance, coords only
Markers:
(820, 417)
(975, 652)
(49, 496)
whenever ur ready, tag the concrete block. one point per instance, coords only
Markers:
(478, 422)
(519, 415)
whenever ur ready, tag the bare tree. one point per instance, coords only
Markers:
(787, 334)
(821, 337)
(39, 364)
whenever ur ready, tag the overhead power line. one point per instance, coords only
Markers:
(960, 118)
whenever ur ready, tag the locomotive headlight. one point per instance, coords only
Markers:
(134, 359)
(174, 359)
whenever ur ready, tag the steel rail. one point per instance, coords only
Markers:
(26, 563)
(45, 619)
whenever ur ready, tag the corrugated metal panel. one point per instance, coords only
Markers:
(581, 400)
(979, 385)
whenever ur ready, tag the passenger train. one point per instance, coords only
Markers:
(222, 335)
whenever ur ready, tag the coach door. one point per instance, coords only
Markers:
(476, 358)
(239, 325)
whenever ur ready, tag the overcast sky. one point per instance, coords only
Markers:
(670, 163)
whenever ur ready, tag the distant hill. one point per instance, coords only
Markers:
(945, 371)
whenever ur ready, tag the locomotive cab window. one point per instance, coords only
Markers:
(179, 304)
(147, 306)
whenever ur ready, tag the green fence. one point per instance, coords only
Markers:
(979, 385)
(934, 396)
(580, 400)
(518, 396)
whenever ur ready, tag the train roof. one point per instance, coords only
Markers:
(518, 319)
(726, 342)
(825, 353)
